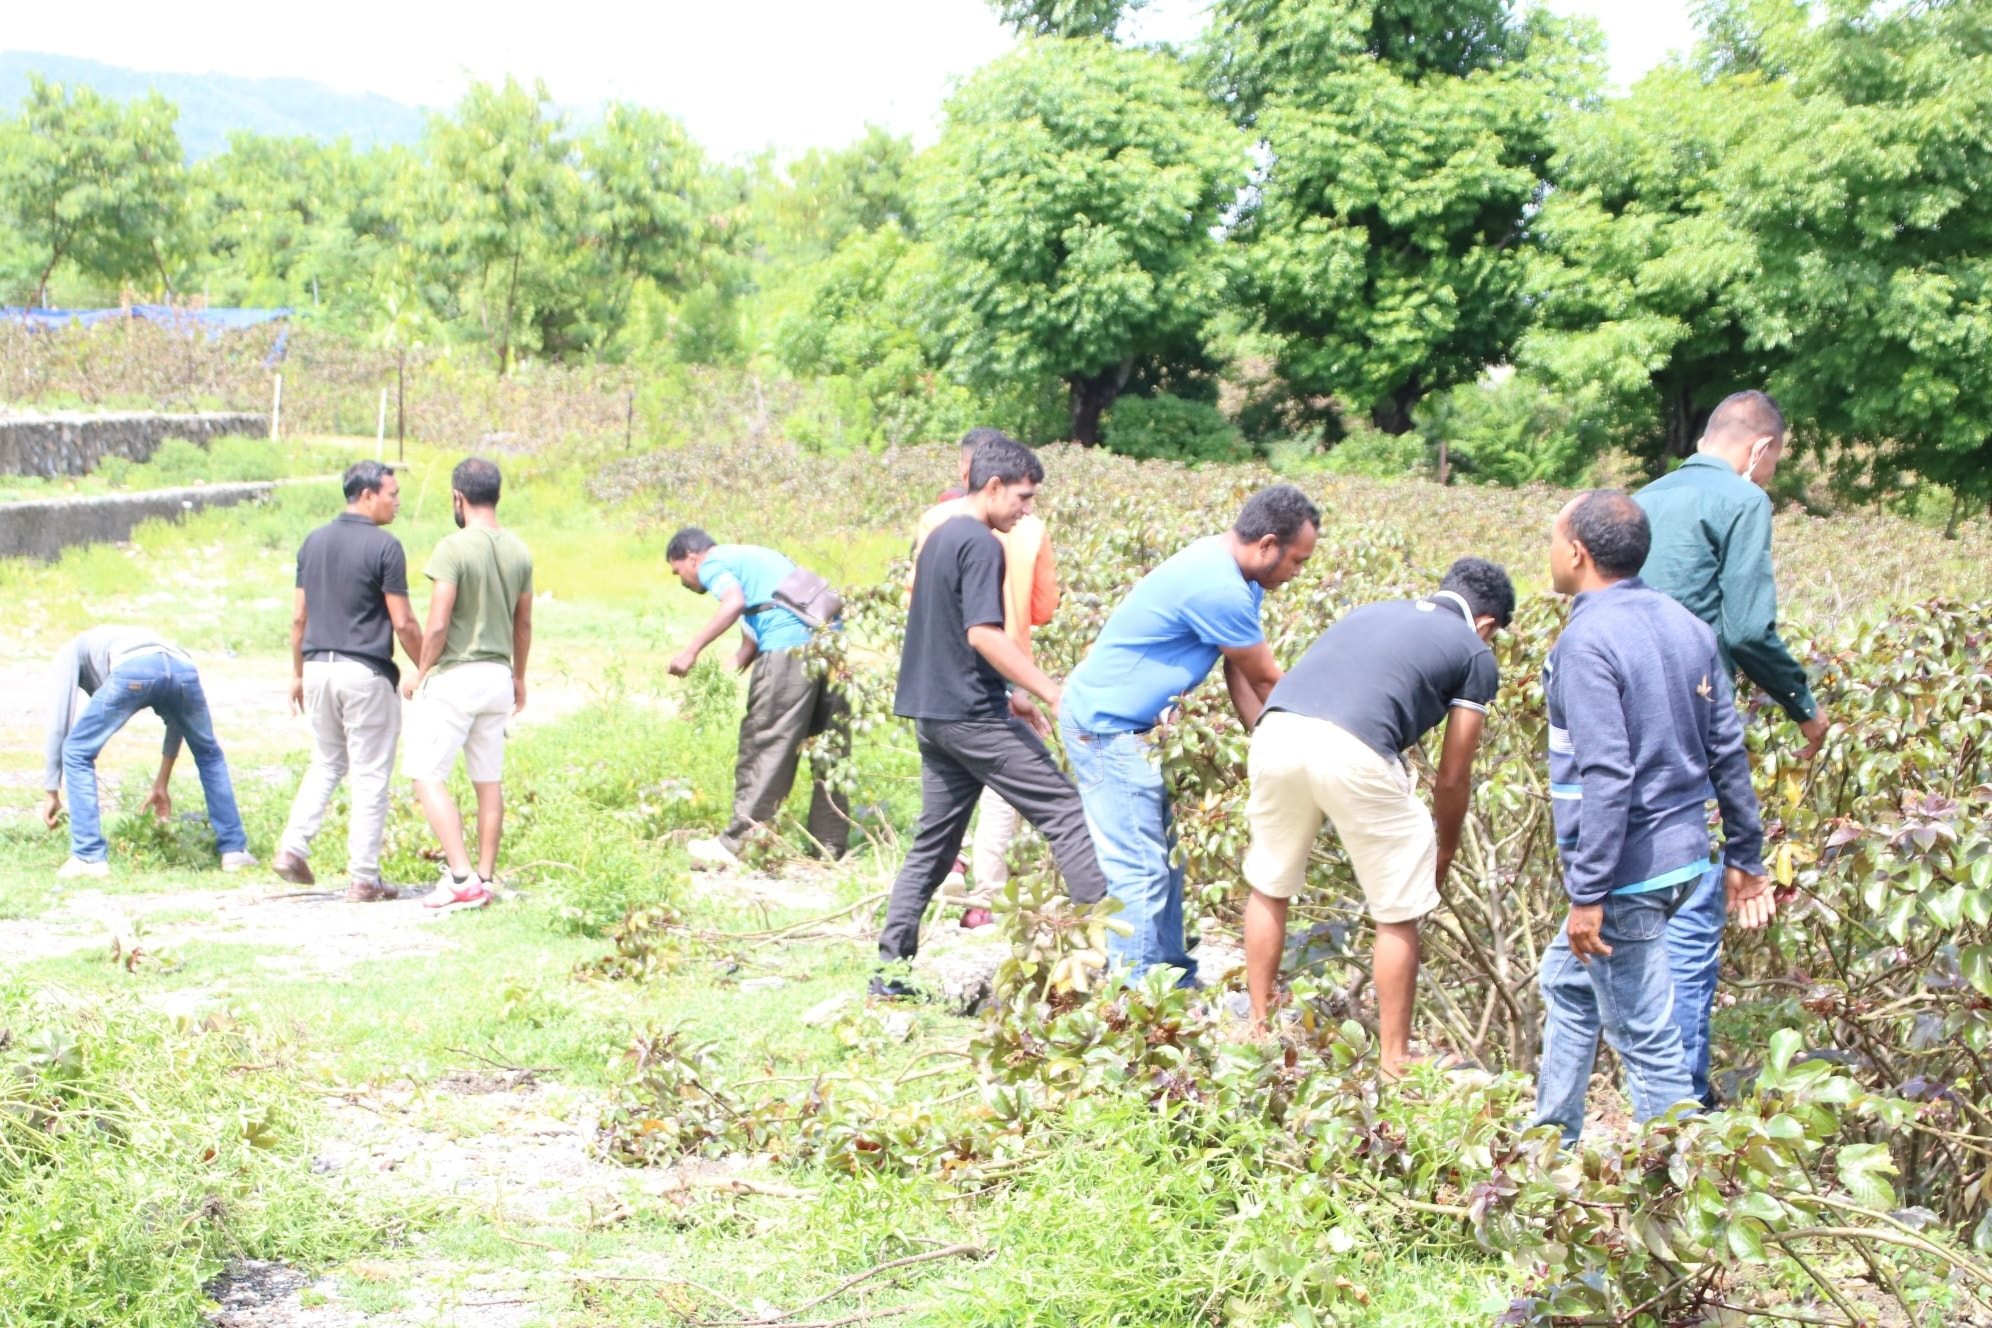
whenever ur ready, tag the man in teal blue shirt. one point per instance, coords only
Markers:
(1711, 522)
(785, 705)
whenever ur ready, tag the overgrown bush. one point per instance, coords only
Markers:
(1169, 428)
(1374, 454)
(1515, 431)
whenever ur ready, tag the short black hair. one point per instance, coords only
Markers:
(1279, 511)
(1002, 457)
(364, 477)
(477, 480)
(1484, 586)
(975, 438)
(1613, 529)
(1749, 414)
(687, 542)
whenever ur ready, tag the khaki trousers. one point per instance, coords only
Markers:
(355, 717)
(785, 708)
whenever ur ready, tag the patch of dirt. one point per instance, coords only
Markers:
(253, 1293)
(308, 934)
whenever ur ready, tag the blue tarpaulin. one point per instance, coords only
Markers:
(212, 321)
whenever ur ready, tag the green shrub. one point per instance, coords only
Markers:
(1168, 428)
(1512, 432)
(1375, 454)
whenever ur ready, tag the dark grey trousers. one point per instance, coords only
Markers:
(785, 707)
(957, 759)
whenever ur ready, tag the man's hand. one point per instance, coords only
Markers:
(518, 694)
(1814, 730)
(681, 663)
(1023, 708)
(1751, 902)
(51, 809)
(159, 802)
(1586, 921)
(296, 695)
(413, 685)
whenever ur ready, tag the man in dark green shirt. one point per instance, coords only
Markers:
(1711, 551)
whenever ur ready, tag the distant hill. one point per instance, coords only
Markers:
(212, 106)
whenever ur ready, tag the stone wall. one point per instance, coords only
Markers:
(44, 529)
(72, 443)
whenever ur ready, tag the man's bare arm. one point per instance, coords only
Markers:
(1250, 673)
(406, 629)
(442, 601)
(298, 620)
(732, 606)
(1452, 794)
(522, 646)
(1008, 658)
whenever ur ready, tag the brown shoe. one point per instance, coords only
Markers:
(294, 869)
(370, 892)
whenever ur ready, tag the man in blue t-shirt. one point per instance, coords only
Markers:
(1198, 606)
(785, 705)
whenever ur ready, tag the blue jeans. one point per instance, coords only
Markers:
(170, 687)
(1628, 995)
(1694, 953)
(1127, 812)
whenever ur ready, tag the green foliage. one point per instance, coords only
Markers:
(90, 182)
(1070, 203)
(1510, 432)
(1374, 454)
(1407, 145)
(1168, 428)
(1065, 18)
(137, 1154)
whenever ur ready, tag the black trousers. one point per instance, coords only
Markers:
(957, 759)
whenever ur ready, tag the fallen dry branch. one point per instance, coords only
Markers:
(788, 1320)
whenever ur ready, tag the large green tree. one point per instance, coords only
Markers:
(1865, 182)
(93, 183)
(647, 210)
(1643, 286)
(1065, 18)
(1070, 203)
(502, 196)
(1406, 143)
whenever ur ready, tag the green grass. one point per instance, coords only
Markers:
(177, 463)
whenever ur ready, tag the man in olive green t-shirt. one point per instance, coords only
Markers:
(472, 676)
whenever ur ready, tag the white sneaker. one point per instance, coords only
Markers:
(955, 884)
(235, 862)
(76, 867)
(711, 853)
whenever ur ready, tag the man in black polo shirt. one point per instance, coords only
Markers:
(972, 731)
(1330, 745)
(352, 601)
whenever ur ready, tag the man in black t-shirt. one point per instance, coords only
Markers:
(1330, 745)
(351, 603)
(973, 731)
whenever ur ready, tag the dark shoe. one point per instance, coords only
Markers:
(370, 892)
(973, 918)
(893, 989)
(290, 867)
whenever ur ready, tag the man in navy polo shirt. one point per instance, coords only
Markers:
(1179, 620)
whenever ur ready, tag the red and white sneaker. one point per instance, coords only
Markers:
(451, 894)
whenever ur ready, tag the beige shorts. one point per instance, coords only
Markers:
(461, 709)
(1304, 770)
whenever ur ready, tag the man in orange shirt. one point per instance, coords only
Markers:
(1030, 597)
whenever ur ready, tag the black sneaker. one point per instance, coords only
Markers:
(893, 989)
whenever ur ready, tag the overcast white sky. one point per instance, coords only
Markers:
(743, 74)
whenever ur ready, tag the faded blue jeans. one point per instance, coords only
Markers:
(1127, 812)
(1694, 953)
(1627, 995)
(169, 686)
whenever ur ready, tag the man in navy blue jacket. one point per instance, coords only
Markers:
(1641, 722)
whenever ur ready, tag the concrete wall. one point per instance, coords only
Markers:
(72, 443)
(45, 529)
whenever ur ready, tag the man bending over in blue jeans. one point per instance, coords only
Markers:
(1198, 606)
(1641, 722)
(125, 670)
